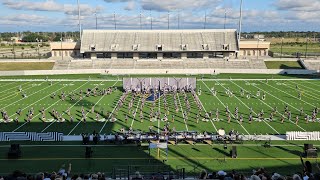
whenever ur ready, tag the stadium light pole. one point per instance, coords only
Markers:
(140, 20)
(258, 47)
(307, 39)
(225, 18)
(79, 19)
(205, 20)
(114, 21)
(178, 19)
(38, 48)
(14, 54)
(61, 47)
(168, 20)
(281, 48)
(96, 20)
(240, 22)
(150, 20)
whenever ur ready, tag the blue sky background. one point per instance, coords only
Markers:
(61, 15)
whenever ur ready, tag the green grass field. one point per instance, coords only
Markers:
(283, 65)
(15, 66)
(280, 91)
(289, 49)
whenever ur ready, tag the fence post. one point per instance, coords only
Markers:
(183, 173)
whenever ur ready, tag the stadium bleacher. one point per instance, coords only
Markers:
(164, 64)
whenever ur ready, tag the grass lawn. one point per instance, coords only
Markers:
(14, 66)
(290, 49)
(283, 65)
(284, 156)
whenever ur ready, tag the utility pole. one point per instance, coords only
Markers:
(150, 20)
(281, 48)
(168, 20)
(307, 39)
(140, 21)
(96, 20)
(178, 19)
(114, 20)
(240, 22)
(61, 47)
(79, 19)
(14, 53)
(225, 18)
(205, 20)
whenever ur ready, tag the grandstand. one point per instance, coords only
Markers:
(159, 44)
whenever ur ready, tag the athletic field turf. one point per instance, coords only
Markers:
(282, 157)
(278, 93)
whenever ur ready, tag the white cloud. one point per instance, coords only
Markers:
(130, 6)
(298, 5)
(48, 5)
(172, 5)
(51, 5)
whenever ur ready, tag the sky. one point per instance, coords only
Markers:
(62, 15)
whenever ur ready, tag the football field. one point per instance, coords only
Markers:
(43, 97)
(76, 96)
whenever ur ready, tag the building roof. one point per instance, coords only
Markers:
(64, 46)
(254, 45)
(159, 40)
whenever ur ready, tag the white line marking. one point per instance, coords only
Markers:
(133, 119)
(182, 112)
(28, 96)
(225, 106)
(64, 111)
(206, 112)
(268, 105)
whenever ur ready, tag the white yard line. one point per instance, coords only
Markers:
(7, 84)
(67, 80)
(267, 105)
(206, 112)
(15, 93)
(133, 119)
(182, 112)
(308, 95)
(258, 79)
(88, 112)
(284, 103)
(288, 94)
(14, 87)
(249, 108)
(36, 115)
(303, 86)
(39, 113)
(159, 99)
(314, 95)
(312, 83)
(225, 106)
(64, 111)
(29, 95)
(105, 123)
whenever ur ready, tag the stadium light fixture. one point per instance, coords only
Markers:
(281, 48)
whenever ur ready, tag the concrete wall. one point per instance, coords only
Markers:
(156, 71)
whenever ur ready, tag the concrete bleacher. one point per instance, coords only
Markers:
(81, 64)
(121, 64)
(164, 64)
(311, 64)
(61, 65)
(170, 40)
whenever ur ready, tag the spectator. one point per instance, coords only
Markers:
(203, 174)
(137, 176)
(63, 173)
